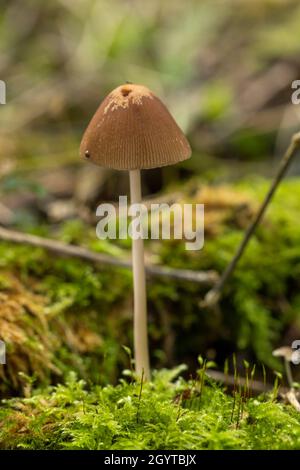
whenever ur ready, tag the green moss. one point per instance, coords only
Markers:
(57, 315)
(159, 415)
(88, 309)
(261, 299)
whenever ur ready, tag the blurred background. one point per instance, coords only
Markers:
(225, 70)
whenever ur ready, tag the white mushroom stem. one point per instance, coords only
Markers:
(141, 351)
(288, 372)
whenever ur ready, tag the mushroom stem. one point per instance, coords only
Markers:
(288, 372)
(141, 351)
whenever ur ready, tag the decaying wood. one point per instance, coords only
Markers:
(64, 249)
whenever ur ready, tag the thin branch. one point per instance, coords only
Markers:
(288, 394)
(213, 296)
(229, 380)
(64, 249)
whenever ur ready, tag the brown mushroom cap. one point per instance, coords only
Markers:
(132, 129)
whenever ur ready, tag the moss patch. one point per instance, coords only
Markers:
(163, 414)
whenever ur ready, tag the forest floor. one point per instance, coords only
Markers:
(167, 413)
(64, 323)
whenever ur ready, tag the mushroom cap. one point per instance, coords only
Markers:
(284, 351)
(289, 354)
(132, 129)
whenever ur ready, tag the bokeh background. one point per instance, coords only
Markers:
(224, 69)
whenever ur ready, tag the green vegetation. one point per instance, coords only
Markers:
(225, 70)
(76, 316)
(163, 414)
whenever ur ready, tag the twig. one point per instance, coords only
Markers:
(64, 249)
(257, 386)
(214, 294)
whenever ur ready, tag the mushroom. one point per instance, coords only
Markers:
(288, 355)
(132, 130)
